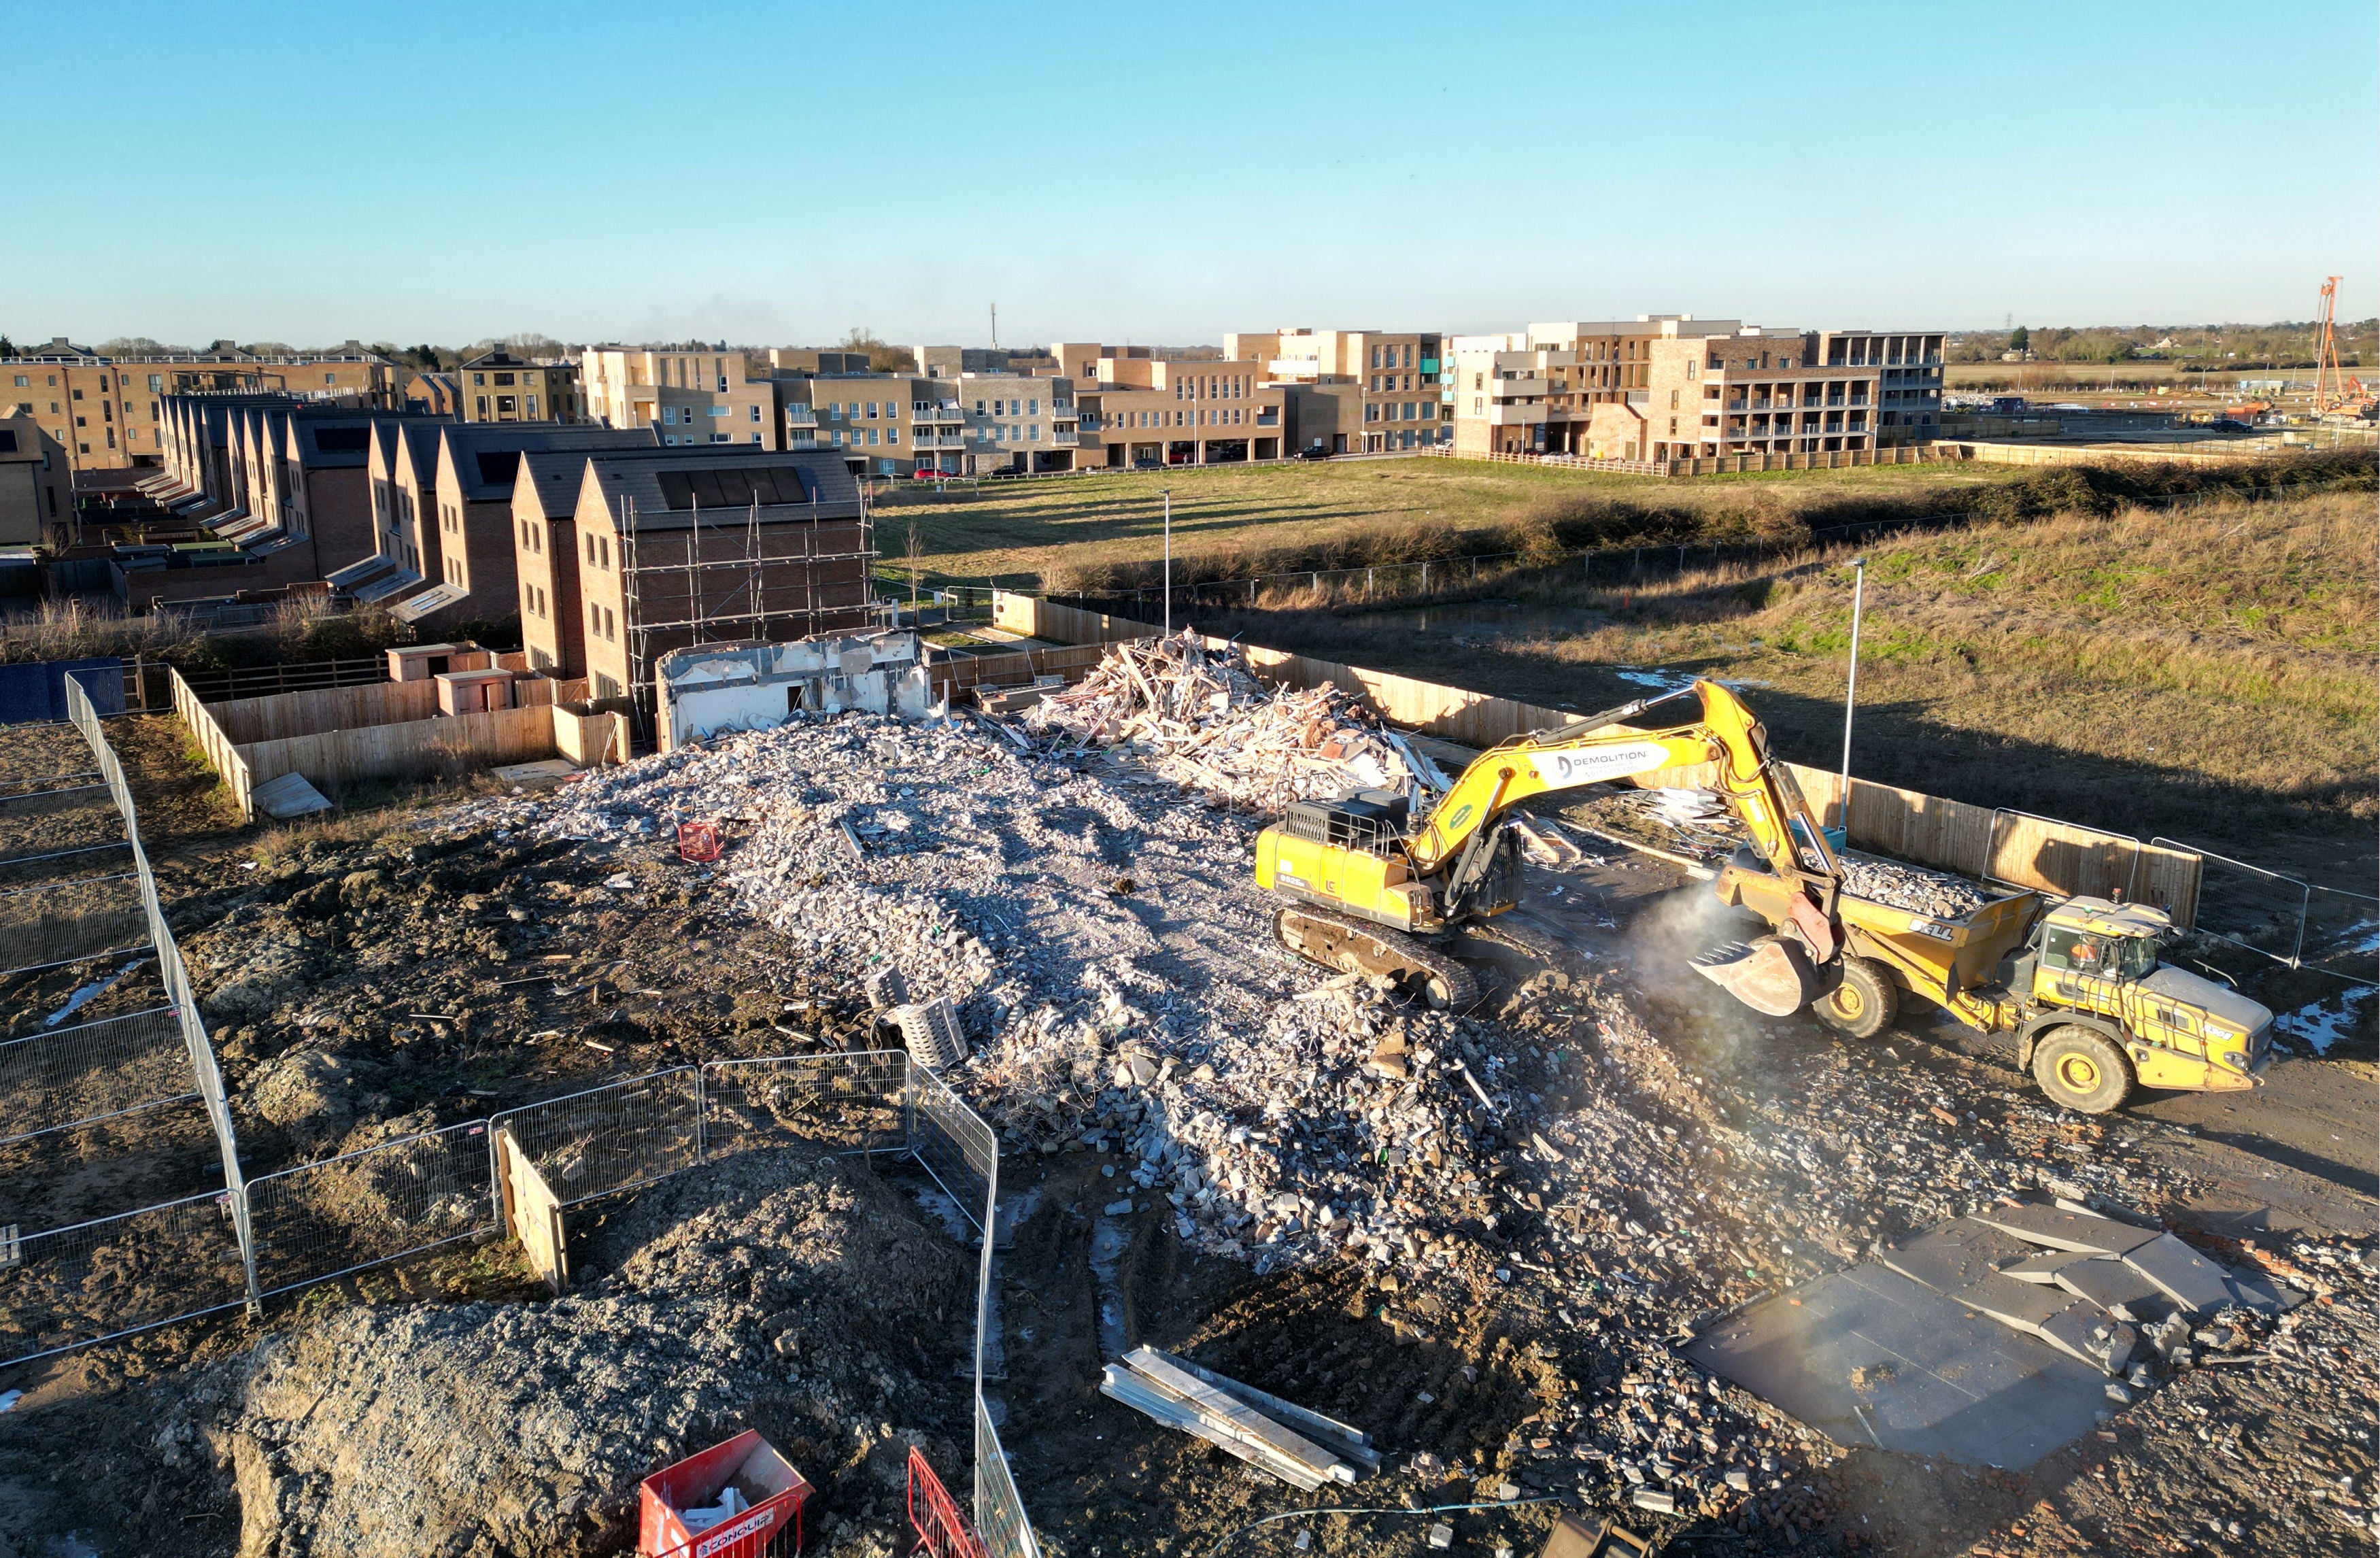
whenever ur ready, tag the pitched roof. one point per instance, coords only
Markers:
(671, 492)
(486, 456)
(551, 478)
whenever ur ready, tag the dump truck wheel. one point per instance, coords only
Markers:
(2081, 1071)
(1861, 1004)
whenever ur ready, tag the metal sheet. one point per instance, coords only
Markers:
(1935, 1381)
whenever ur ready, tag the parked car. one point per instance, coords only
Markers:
(1314, 453)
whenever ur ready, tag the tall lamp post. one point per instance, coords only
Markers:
(1167, 495)
(1851, 688)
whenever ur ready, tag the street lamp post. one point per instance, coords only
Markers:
(1167, 495)
(1851, 688)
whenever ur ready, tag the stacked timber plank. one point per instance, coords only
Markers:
(1303, 1449)
(1203, 720)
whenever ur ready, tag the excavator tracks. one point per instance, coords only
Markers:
(1348, 945)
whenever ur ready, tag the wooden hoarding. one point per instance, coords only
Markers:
(533, 1213)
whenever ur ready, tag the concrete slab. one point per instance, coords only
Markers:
(2043, 1266)
(536, 775)
(2060, 1229)
(1934, 1378)
(2117, 1288)
(290, 796)
(1953, 1254)
(2191, 1280)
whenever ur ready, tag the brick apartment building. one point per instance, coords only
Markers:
(1394, 404)
(691, 547)
(688, 397)
(36, 487)
(1671, 386)
(883, 425)
(1132, 408)
(107, 413)
(501, 387)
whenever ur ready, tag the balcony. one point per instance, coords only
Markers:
(800, 416)
(1267, 419)
(1513, 387)
(949, 412)
(1514, 416)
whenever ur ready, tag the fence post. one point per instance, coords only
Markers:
(702, 1114)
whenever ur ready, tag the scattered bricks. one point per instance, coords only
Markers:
(1654, 1500)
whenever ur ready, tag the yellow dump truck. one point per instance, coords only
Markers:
(2078, 983)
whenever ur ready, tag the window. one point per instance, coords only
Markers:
(23, 380)
(505, 403)
(78, 395)
(1033, 408)
(478, 380)
(504, 378)
(872, 409)
(756, 413)
(891, 435)
(532, 406)
(156, 381)
(1673, 400)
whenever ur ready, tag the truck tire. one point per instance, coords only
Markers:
(1861, 1004)
(2079, 1070)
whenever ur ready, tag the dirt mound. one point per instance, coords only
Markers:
(795, 1295)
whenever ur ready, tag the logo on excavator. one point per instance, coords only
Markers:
(1567, 767)
(1460, 814)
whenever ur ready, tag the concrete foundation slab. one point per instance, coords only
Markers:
(1954, 1255)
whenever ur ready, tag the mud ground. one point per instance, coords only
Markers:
(448, 979)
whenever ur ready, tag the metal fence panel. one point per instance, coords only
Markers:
(57, 922)
(71, 1286)
(39, 824)
(2343, 934)
(1000, 1515)
(856, 1101)
(952, 1143)
(91, 1071)
(610, 1137)
(345, 1213)
(2248, 906)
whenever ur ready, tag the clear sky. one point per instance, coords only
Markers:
(778, 173)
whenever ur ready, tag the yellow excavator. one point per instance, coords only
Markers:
(2078, 983)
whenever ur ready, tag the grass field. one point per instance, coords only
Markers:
(2207, 672)
(1054, 534)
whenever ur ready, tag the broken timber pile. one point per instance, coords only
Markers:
(1205, 721)
(1300, 1447)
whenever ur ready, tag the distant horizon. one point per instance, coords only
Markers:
(277, 172)
(29, 344)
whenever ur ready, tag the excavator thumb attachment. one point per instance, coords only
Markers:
(1772, 974)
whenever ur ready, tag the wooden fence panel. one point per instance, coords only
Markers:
(532, 1212)
(415, 748)
(284, 715)
(590, 740)
(222, 753)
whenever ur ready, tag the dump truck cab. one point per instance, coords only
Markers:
(2098, 1001)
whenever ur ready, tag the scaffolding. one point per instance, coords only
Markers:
(731, 591)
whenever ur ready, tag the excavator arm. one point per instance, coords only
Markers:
(1597, 748)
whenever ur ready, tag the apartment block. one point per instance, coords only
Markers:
(1019, 424)
(711, 547)
(107, 412)
(949, 363)
(1756, 391)
(688, 397)
(1398, 375)
(501, 387)
(437, 394)
(1135, 409)
(36, 486)
(1538, 391)
(883, 425)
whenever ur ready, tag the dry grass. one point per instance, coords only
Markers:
(2207, 671)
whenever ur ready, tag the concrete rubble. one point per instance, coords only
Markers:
(1203, 719)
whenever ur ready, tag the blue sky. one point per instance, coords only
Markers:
(779, 173)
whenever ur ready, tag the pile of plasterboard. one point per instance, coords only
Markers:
(1305, 1449)
(1205, 720)
(2094, 1288)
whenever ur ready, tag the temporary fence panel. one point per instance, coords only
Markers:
(49, 823)
(1000, 1517)
(58, 922)
(533, 1213)
(72, 1287)
(608, 1138)
(37, 693)
(2342, 935)
(2050, 856)
(855, 1101)
(952, 1143)
(175, 979)
(73, 1075)
(326, 1219)
(2260, 910)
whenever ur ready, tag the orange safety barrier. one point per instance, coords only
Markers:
(941, 1530)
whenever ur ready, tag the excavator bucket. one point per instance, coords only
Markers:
(1772, 974)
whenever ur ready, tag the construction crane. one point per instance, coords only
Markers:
(2077, 983)
(2330, 385)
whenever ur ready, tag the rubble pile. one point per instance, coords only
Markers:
(1203, 719)
(1899, 885)
(730, 1297)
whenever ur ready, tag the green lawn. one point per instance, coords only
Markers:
(1025, 533)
